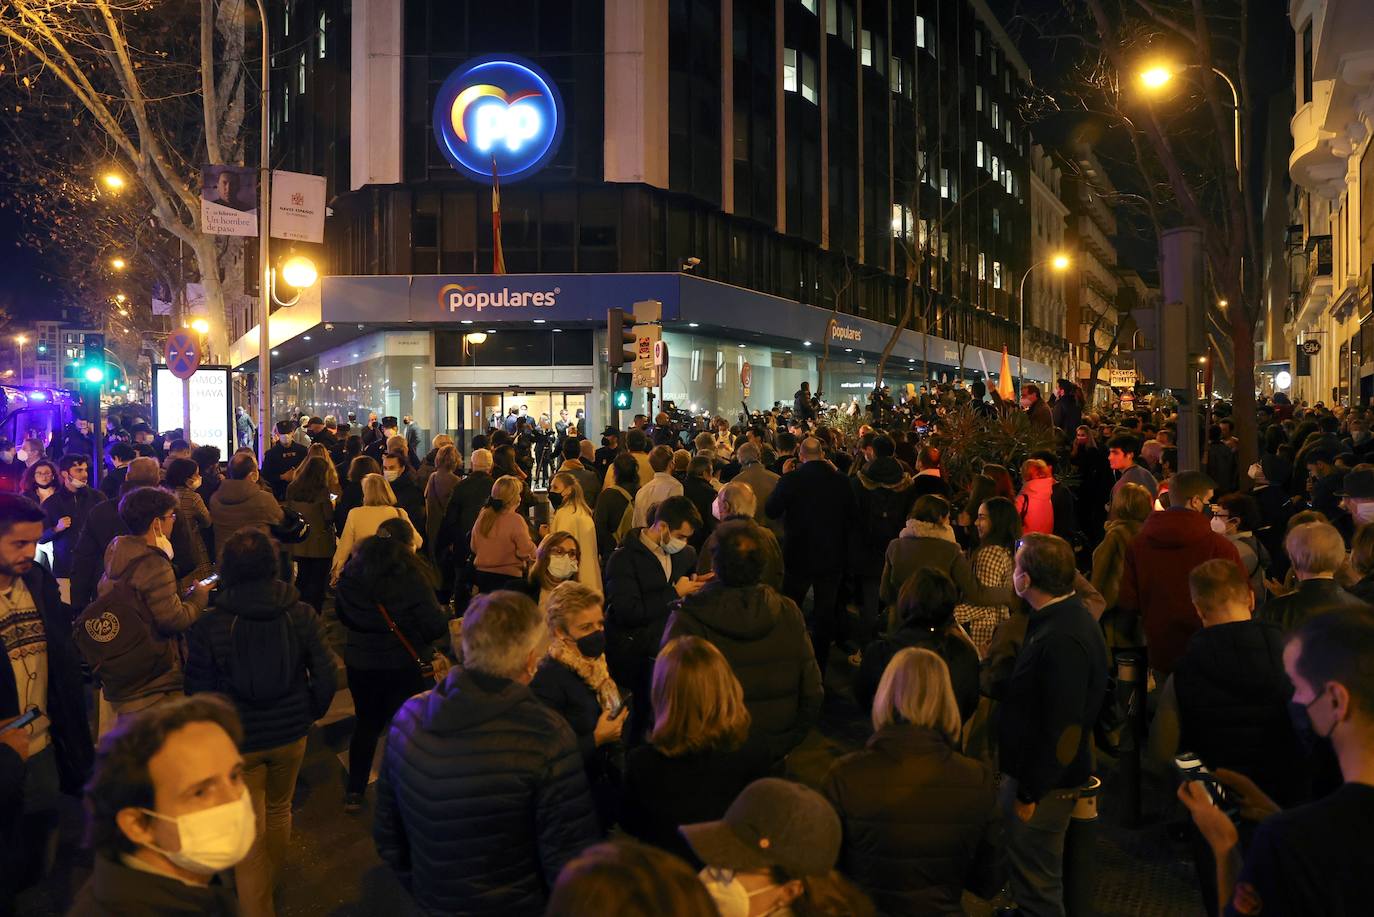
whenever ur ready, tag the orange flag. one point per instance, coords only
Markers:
(1005, 391)
(498, 255)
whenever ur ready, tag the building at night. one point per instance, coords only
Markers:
(770, 172)
(1092, 283)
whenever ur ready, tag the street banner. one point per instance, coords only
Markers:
(646, 373)
(1123, 378)
(229, 200)
(298, 206)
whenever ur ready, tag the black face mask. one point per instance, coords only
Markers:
(556, 500)
(1301, 717)
(592, 645)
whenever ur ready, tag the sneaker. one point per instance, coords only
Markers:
(353, 803)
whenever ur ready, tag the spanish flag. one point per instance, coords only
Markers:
(498, 257)
(1005, 390)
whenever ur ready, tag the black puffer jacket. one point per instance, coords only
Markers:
(482, 797)
(411, 603)
(1233, 706)
(762, 636)
(638, 597)
(920, 822)
(247, 626)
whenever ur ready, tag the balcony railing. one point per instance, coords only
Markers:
(1319, 263)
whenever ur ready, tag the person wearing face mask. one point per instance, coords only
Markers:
(572, 515)
(102, 524)
(1154, 582)
(573, 680)
(241, 501)
(40, 481)
(142, 562)
(479, 764)
(652, 568)
(1315, 858)
(736, 501)
(143, 441)
(774, 853)
(167, 812)
(556, 561)
(409, 496)
(281, 461)
(1237, 517)
(1317, 554)
(66, 512)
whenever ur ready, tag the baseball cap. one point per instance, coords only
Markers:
(772, 822)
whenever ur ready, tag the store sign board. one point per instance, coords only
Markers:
(510, 297)
(499, 115)
(211, 410)
(1123, 378)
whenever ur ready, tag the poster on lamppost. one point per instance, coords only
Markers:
(229, 200)
(297, 206)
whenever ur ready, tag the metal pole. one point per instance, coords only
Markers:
(264, 253)
(1021, 331)
(1235, 117)
(21, 361)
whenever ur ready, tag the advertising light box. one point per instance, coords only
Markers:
(212, 421)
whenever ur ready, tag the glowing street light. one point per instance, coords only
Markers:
(1156, 77)
(1058, 262)
(113, 181)
(299, 272)
(121, 298)
(118, 263)
(200, 326)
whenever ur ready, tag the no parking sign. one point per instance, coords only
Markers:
(183, 354)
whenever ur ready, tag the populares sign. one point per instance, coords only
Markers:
(455, 297)
(498, 115)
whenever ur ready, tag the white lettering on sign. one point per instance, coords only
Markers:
(514, 124)
(845, 333)
(457, 297)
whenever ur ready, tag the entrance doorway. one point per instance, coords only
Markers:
(466, 414)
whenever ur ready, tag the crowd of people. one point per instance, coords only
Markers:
(590, 671)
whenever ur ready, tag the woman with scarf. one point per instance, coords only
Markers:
(573, 680)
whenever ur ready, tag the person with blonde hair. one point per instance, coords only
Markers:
(501, 544)
(379, 505)
(556, 561)
(919, 818)
(573, 679)
(697, 760)
(571, 514)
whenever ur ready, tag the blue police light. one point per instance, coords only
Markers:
(502, 109)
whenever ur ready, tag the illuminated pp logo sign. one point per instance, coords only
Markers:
(501, 109)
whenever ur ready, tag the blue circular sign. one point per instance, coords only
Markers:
(500, 112)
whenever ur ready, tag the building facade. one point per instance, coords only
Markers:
(805, 160)
(1092, 284)
(1046, 311)
(1331, 246)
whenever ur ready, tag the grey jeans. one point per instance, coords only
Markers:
(1035, 850)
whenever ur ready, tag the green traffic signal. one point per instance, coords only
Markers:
(94, 374)
(621, 398)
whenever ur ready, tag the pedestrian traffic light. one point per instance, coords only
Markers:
(622, 395)
(94, 363)
(620, 339)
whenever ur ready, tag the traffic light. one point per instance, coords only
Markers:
(94, 364)
(622, 395)
(620, 339)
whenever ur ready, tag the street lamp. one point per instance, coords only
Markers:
(21, 340)
(118, 263)
(121, 298)
(200, 326)
(113, 181)
(1058, 263)
(299, 272)
(1155, 77)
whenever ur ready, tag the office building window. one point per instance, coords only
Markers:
(980, 154)
(789, 69)
(894, 78)
(944, 183)
(978, 42)
(901, 221)
(1305, 95)
(920, 31)
(996, 169)
(300, 73)
(866, 50)
(832, 19)
(847, 23)
(808, 78)
(997, 274)
(809, 5)
(996, 220)
(324, 29)
(996, 117)
(978, 97)
(992, 61)
(982, 266)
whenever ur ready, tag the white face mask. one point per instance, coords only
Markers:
(165, 546)
(672, 545)
(1218, 525)
(1255, 471)
(1363, 511)
(212, 840)
(22, 455)
(562, 566)
(391, 475)
(731, 898)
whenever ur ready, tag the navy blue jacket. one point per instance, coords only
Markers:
(1053, 698)
(482, 797)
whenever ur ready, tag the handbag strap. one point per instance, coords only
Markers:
(399, 636)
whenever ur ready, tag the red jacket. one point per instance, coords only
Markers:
(1155, 582)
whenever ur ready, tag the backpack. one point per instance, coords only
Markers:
(118, 638)
(627, 518)
(264, 658)
(885, 511)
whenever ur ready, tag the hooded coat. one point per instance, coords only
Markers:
(482, 797)
(1155, 580)
(1036, 506)
(247, 627)
(924, 544)
(238, 504)
(761, 634)
(883, 495)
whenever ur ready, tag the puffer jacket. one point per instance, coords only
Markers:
(1232, 696)
(924, 544)
(883, 496)
(1035, 503)
(238, 504)
(247, 626)
(148, 572)
(411, 604)
(920, 822)
(482, 797)
(762, 636)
